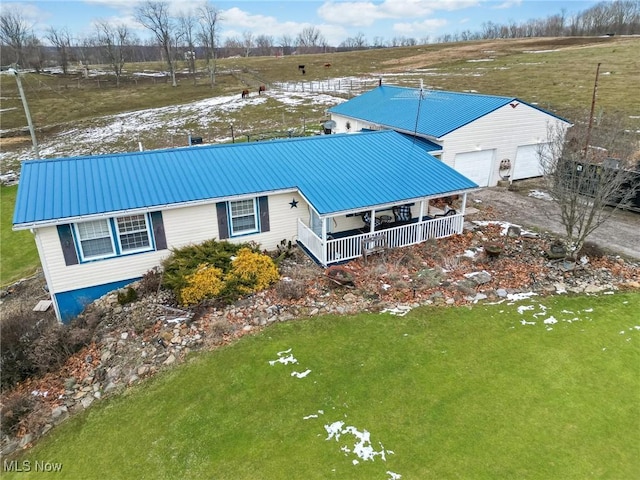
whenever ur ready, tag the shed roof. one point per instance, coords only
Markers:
(434, 113)
(335, 173)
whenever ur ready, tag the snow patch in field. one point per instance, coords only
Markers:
(541, 195)
(505, 227)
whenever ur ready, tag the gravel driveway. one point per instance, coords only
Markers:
(619, 235)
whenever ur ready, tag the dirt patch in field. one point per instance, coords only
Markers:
(492, 49)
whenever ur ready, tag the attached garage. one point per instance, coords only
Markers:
(527, 162)
(476, 166)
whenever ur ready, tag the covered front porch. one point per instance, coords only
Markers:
(350, 238)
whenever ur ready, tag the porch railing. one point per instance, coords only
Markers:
(347, 248)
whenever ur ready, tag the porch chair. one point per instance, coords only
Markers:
(447, 211)
(366, 218)
(402, 214)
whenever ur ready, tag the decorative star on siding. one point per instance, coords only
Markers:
(294, 203)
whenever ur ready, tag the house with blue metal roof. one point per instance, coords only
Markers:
(102, 222)
(487, 138)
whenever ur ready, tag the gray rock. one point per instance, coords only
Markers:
(69, 383)
(479, 278)
(58, 412)
(87, 401)
(501, 292)
(25, 440)
(170, 359)
(10, 447)
(110, 387)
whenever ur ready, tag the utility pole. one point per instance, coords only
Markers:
(593, 105)
(27, 113)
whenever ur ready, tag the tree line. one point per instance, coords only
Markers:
(195, 34)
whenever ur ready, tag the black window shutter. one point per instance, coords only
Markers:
(68, 247)
(223, 226)
(157, 224)
(263, 205)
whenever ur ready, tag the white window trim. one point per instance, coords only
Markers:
(116, 246)
(256, 229)
(81, 249)
(121, 251)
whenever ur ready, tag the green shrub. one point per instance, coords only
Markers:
(186, 260)
(217, 270)
(127, 296)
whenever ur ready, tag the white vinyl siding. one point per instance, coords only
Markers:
(503, 130)
(182, 226)
(243, 217)
(94, 239)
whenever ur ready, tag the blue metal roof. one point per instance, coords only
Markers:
(428, 112)
(335, 173)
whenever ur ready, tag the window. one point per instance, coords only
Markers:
(243, 217)
(95, 239)
(110, 237)
(133, 233)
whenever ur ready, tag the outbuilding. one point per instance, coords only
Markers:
(487, 138)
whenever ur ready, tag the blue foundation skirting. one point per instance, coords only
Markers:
(72, 303)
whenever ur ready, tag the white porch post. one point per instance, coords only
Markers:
(372, 225)
(323, 241)
(420, 236)
(464, 203)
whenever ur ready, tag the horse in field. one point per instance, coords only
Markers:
(245, 93)
(261, 89)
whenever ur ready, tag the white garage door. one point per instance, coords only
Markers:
(527, 163)
(475, 166)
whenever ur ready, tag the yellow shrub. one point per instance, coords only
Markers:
(252, 271)
(206, 282)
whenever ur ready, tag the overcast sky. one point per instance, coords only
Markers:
(337, 20)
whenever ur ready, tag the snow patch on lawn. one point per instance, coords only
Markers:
(285, 357)
(362, 447)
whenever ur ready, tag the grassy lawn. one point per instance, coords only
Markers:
(480, 393)
(18, 254)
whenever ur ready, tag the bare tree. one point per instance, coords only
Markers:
(309, 39)
(14, 33)
(113, 40)
(187, 24)
(247, 42)
(155, 16)
(34, 53)
(209, 19)
(61, 39)
(233, 46)
(587, 185)
(286, 42)
(264, 44)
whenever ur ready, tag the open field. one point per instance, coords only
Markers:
(557, 74)
(531, 388)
